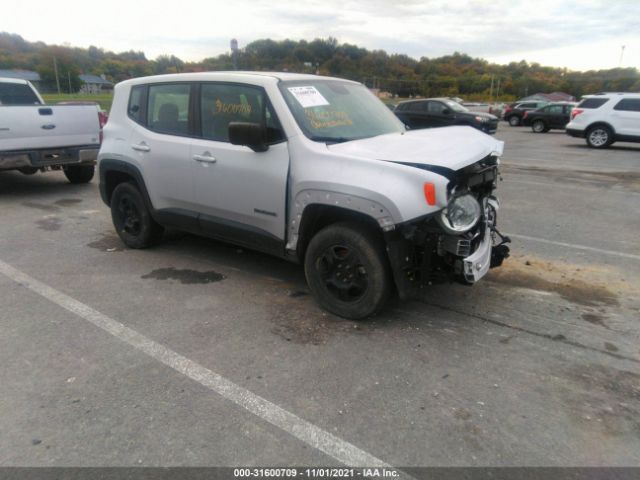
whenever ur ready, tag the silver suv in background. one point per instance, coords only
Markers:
(605, 118)
(312, 169)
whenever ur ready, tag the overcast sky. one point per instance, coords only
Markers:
(578, 34)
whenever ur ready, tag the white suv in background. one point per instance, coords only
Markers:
(605, 118)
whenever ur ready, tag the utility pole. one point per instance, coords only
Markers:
(69, 78)
(55, 70)
(234, 53)
(621, 54)
(491, 88)
(498, 90)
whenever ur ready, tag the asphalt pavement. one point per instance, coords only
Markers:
(200, 353)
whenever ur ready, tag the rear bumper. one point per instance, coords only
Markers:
(85, 154)
(572, 132)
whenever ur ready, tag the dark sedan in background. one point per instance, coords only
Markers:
(554, 115)
(443, 112)
(514, 113)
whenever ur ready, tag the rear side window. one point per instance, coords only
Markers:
(17, 94)
(628, 105)
(221, 104)
(168, 108)
(135, 109)
(593, 102)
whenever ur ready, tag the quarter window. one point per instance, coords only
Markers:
(592, 102)
(555, 109)
(221, 104)
(135, 110)
(628, 105)
(168, 108)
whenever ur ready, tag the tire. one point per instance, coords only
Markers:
(514, 121)
(28, 170)
(347, 270)
(80, 173)
(538, 126)
(599, 136)
(132, 219)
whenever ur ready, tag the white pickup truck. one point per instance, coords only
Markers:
(37, 137)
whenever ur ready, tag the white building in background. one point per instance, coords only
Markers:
(94, 84)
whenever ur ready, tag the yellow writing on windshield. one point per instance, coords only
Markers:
(222, 107)
(327, 118)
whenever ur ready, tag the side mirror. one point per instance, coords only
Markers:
(446, 111)
(251, 135)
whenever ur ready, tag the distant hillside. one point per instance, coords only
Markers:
(453, 75)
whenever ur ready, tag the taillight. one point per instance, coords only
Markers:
(102, 120)
(575, 112)
(525, 115)
(508, 109)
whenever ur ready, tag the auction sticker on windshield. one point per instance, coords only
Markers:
(308, 96)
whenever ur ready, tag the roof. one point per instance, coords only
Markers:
(13, 80)
(21, 74)
(549, 97)
(94, 79)
(258, 78)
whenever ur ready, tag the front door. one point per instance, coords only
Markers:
(241, 194)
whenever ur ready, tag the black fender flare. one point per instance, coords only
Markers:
(107, 166)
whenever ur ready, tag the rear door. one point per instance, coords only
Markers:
(160, 144)
(555, 115)
(241, 194)
(627, 117)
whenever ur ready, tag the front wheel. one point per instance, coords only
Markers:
(539, 127)
(132, 218)
(599, 137)
(80, 173)
(347, 270)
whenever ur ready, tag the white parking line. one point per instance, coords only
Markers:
(312, 435)
(577, 247)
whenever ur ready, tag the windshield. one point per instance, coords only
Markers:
(455, 106)
(334, 111)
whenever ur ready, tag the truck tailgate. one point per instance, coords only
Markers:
(33, 127)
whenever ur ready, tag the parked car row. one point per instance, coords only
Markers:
(600, 119)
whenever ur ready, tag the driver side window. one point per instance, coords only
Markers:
(221, 104)
(436, 107)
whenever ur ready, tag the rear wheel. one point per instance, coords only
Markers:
(132, 218)
(28, 170)
(599, 137)
(347, 270)
(79, 173)
(514, 121)
(538, 126)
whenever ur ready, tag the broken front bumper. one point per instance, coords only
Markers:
(476, 265)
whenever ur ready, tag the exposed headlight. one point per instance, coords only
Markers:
(461, 214)
(481, 119)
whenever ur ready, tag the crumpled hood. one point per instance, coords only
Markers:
(449, 147)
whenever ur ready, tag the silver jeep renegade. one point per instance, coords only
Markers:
(312, 169)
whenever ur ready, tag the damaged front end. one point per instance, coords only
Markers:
(459, 243)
